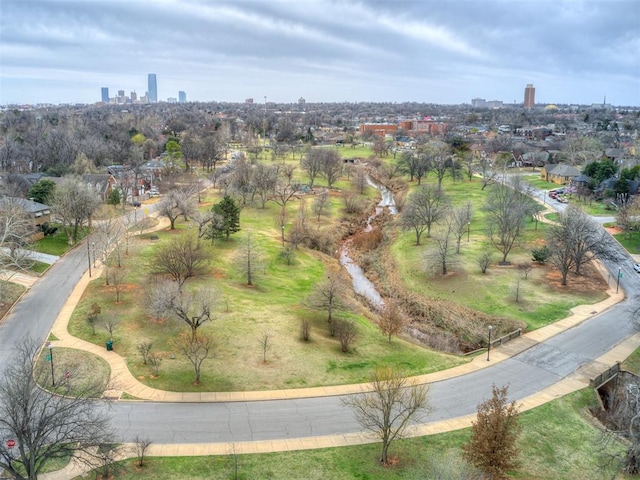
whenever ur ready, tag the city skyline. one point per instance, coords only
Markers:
(574, 52)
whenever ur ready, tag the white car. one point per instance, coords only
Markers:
(636, 267)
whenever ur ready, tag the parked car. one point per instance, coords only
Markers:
(636, 267)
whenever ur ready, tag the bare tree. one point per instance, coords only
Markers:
(321, 204)
(329, 295)
(461, 222)
(575, 240)
(392, 320)
(439, 160)
(141, 445)
(144, 348)
(346, 332)
(249, 259)
(181, 258)
(425, 206)
(42, 426)
(442, 251)
(73, 204)
(494, 435)
(506, 208)
(484, 260)
(118, 276)
(330, 165)
(92, 317)
(196, 348)
(110, 324)
(265, 345)
(155, 359)
(16, 228)
(305, 330)
(389, 408)
(194, 308)
(312, 163)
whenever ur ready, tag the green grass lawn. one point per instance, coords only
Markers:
(630, 241)
(558, 442)
(632, 362)
(539, 303)
(9, 294)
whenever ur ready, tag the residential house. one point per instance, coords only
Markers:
(37, 212)
(101, 183)
(559, 173)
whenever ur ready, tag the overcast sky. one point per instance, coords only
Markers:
(444, 51)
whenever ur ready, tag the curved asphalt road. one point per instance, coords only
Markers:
(167, 423)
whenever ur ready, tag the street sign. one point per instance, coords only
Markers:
(11, 443)
(49, 358)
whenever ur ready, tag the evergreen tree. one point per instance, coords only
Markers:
(114, 197)
(229, 214)
(42, 191)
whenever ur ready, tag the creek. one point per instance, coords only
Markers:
(361, 284)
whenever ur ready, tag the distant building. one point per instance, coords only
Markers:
(529, 96)
(478, 103)
(301, 101)
(249, 101)
(134, 96)
(152, 92)
(172, 100)
(182, 97)
(380, 129)
(105, 94)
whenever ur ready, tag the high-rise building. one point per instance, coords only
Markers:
(105, 94)
(134, 96)
(529, 96)
(152, 92)
(182, 97)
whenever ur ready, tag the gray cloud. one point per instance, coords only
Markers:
(433, 51)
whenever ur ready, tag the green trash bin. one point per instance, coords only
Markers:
(109, 345)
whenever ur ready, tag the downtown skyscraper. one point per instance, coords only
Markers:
(529, 96)
(152, 90)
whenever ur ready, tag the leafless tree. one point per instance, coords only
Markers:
(110, 324)
(392, 320)
(359, 181)
(16, 229)
(264, 179)
(283, 193)
(180, 257)
(118, 276)
(108, 233)
(305, 330)
(93, 316)
(160, 297)
(196, 348)
(321, 204)
(155, 359)
(484, 260)
(575, 240)
(73, 204)
(526, 268)
(169, 207)
(266, 344)
(353, 203)
(330, 165)
(141, 445)
(43, 426)
(393, 403)
(460, 218)
(329, 295)
(441, 253)
(346, 332)
(144, 348)
(506, 208)
(425, 206)
(194, 308)
(249, 259)
(439, 160)
(312, 163)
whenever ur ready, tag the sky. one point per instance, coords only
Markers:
(433, 51)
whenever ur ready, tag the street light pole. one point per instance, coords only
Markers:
(468, 231)
(619, 275)
(282, 235)
(489, 344)
(93, 247)
(89, 257)
(53, 378)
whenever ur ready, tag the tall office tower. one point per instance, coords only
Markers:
(529, 96)
(153, 89)
(134, 96)
(182, 97)
(105, 94)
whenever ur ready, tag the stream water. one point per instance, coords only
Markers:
(361, 284)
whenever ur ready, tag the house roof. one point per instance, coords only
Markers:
(564, 170)
(29, 206)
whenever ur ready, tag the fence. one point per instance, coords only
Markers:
(605, 376)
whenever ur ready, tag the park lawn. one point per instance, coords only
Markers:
(81, 366)
(360, 151)
(539, 303)
(10, 294)
(629, 240)
(55, 244)
(275, 304)
(557, 441)
(632, 362)
(535, 181)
